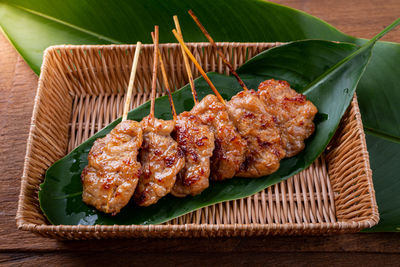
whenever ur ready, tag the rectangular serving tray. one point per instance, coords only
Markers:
(81, 90)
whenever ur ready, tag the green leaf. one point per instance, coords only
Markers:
(329, 85)
(384, 159)
(34, 25)
(379, 92)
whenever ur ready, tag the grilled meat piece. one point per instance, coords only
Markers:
(257, 127)
(293, 113)
(197, 143)
(229, 148)
(110, 178)
(161, 160)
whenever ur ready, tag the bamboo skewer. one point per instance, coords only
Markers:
(155, 67)
(128, 97)
(186, 61)
(165, 79)
(131, 81)
(179, 38)
(210, 39)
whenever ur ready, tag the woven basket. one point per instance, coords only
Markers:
(81, 90)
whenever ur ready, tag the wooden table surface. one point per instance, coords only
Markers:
(17, 89)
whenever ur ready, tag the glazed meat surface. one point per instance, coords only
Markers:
(229, 148)
(256, 126)
(110, 178)
(161, 160)
(197, 143)
(293, 113)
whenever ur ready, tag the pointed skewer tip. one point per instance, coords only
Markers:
(202, 72)
(186, 61)
(154, 76)
(166, 83)
(210, 39)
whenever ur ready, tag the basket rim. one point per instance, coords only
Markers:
(193, 227)
(22, 224)
(72, 46)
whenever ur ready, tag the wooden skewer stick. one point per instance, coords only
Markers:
(227, 63)
(128, 97)
(165, 79)
(131, 81)
(185, 59)
(155, 67)
(179, 38)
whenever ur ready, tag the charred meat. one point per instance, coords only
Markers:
(110, 178)
(229, 148)
(161, 160)
(293, 113)
(257, 127)
(197, 144)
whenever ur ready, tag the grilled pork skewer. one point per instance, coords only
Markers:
(254, 125)
(160, 155)
(291, 111)
(257, 127)
(197, 143)
(231, 69)
(110, 178)
(229, 145)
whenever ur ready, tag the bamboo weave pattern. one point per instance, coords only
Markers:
(81, 90)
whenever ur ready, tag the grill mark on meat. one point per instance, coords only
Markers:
(191, 180)
(246, 163)
(157, 152)
(276, 152)
(106, 185)
(263, 144)
(265, 124)
(249, 115)
(217, 149)
(140, 199)
(181, 154)
(169, 161)
(200, 142)
(298, 98)
(194, 156)
(128, 161)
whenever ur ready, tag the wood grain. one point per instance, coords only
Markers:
(194, 259)
(360, 18)
(17, 89)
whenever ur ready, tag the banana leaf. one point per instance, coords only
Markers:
(384, 159)
(31, 26)
(326, 72)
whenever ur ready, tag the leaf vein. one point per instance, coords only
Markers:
(75, 27)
